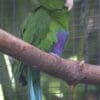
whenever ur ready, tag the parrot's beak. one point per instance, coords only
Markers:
(69, 4)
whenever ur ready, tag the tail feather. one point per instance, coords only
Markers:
(20, 72)
(34, 84)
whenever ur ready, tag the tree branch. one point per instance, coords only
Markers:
(73, 72)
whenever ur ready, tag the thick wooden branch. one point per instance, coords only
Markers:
(73, 72)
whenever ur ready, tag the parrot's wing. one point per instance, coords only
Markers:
(59, 22)
(36, 27)
(62, 17)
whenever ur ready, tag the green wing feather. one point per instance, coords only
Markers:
(37, 27)
(50, 39)
(62, 17)
(59, 21)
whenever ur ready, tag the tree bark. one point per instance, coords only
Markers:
(73, 72)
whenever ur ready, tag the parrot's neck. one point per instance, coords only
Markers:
(62, 37)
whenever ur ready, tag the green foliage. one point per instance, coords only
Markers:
(52, 5)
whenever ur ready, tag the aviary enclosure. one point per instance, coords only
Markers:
(83, 44)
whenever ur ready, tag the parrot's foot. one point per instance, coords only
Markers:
(54, 54)
(82, 63)
(81, 66)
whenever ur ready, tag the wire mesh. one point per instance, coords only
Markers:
(83, 44)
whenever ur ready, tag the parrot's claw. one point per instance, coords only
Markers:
(82, 63)
(54, 54)
(69, 4)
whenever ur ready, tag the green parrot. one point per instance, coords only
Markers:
(40, 29)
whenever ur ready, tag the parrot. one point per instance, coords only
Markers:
(46, 27)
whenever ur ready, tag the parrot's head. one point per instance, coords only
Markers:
(52, 4)
(62, 38)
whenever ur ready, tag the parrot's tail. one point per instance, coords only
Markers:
(20, 72)
(34, 84)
